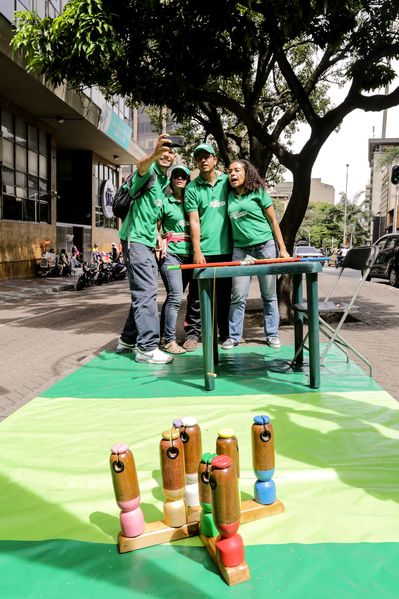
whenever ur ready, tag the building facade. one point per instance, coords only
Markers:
(319, 191)
(61, 153)
(384, 195)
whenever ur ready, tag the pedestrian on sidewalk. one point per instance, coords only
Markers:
(95, 254)
(114, 252)
(205, 201)
(64, 264)
(255, 233)
(176, 249)
(139, 238)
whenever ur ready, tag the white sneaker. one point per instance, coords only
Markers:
(154, 356)
(274, 342)
(229, 344)
(124, 346)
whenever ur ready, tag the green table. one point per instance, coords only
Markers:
(205, 277)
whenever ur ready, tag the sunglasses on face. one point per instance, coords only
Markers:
(180, 176)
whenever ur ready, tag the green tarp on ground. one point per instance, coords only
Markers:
(336, 473)
(249, 370)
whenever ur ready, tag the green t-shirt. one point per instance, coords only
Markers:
(174, 219)
(141, 222)
(211, 203)
(248, 221)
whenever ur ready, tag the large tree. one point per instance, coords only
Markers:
(264, 65)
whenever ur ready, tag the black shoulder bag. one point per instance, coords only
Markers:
(122, 199)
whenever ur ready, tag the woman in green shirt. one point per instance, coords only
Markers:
(176, 249)
(255, 233)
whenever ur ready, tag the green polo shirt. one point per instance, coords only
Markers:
(248, 221)
(211, 203)
(174, 219)
(141, 222)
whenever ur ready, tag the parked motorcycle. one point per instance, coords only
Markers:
(88, 276)
(104, 273)
(118, 271)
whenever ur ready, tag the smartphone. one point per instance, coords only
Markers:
(175, 141)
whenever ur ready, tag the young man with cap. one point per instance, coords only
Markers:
(205, 201)
(139, 237)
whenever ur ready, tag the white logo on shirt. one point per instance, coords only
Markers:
(217, 203)
(238, 214)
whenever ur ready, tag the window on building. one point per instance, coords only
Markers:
(53, 8)
(44, 8)
(25, 171)
(24, 5)
(103, 173)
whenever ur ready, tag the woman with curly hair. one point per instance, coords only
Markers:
(255, 233)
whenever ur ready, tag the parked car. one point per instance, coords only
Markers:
(386, 264)
(307, 251)
(394, 274)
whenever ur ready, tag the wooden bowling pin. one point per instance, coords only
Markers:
(226, 511)
(227, 444)
(207, 525)
(263, 459)
(126, 488)
(190, 434)
(173, 478)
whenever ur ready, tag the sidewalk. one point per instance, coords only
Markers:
(374, 330)
(15, 289)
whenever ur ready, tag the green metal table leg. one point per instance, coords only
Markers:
(297, 297)
(313, 323)
(207, 333)
(215, 354)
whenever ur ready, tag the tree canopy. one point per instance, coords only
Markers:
(323, 223)
(249, 72)
(389, 158)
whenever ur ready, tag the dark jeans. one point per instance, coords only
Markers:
(142, 323)
(175, 282)
(223, 297)
(192, 321)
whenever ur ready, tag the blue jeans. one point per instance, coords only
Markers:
(175, 282)
(267, 284)
(142, 323)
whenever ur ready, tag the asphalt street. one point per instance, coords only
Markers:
(47, 329)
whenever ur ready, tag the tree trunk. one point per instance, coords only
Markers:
(290, 224)
(284, 294)
(295, 212)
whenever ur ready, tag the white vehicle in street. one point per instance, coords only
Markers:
(307, 251)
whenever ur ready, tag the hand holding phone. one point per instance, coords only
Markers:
(174, 141)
